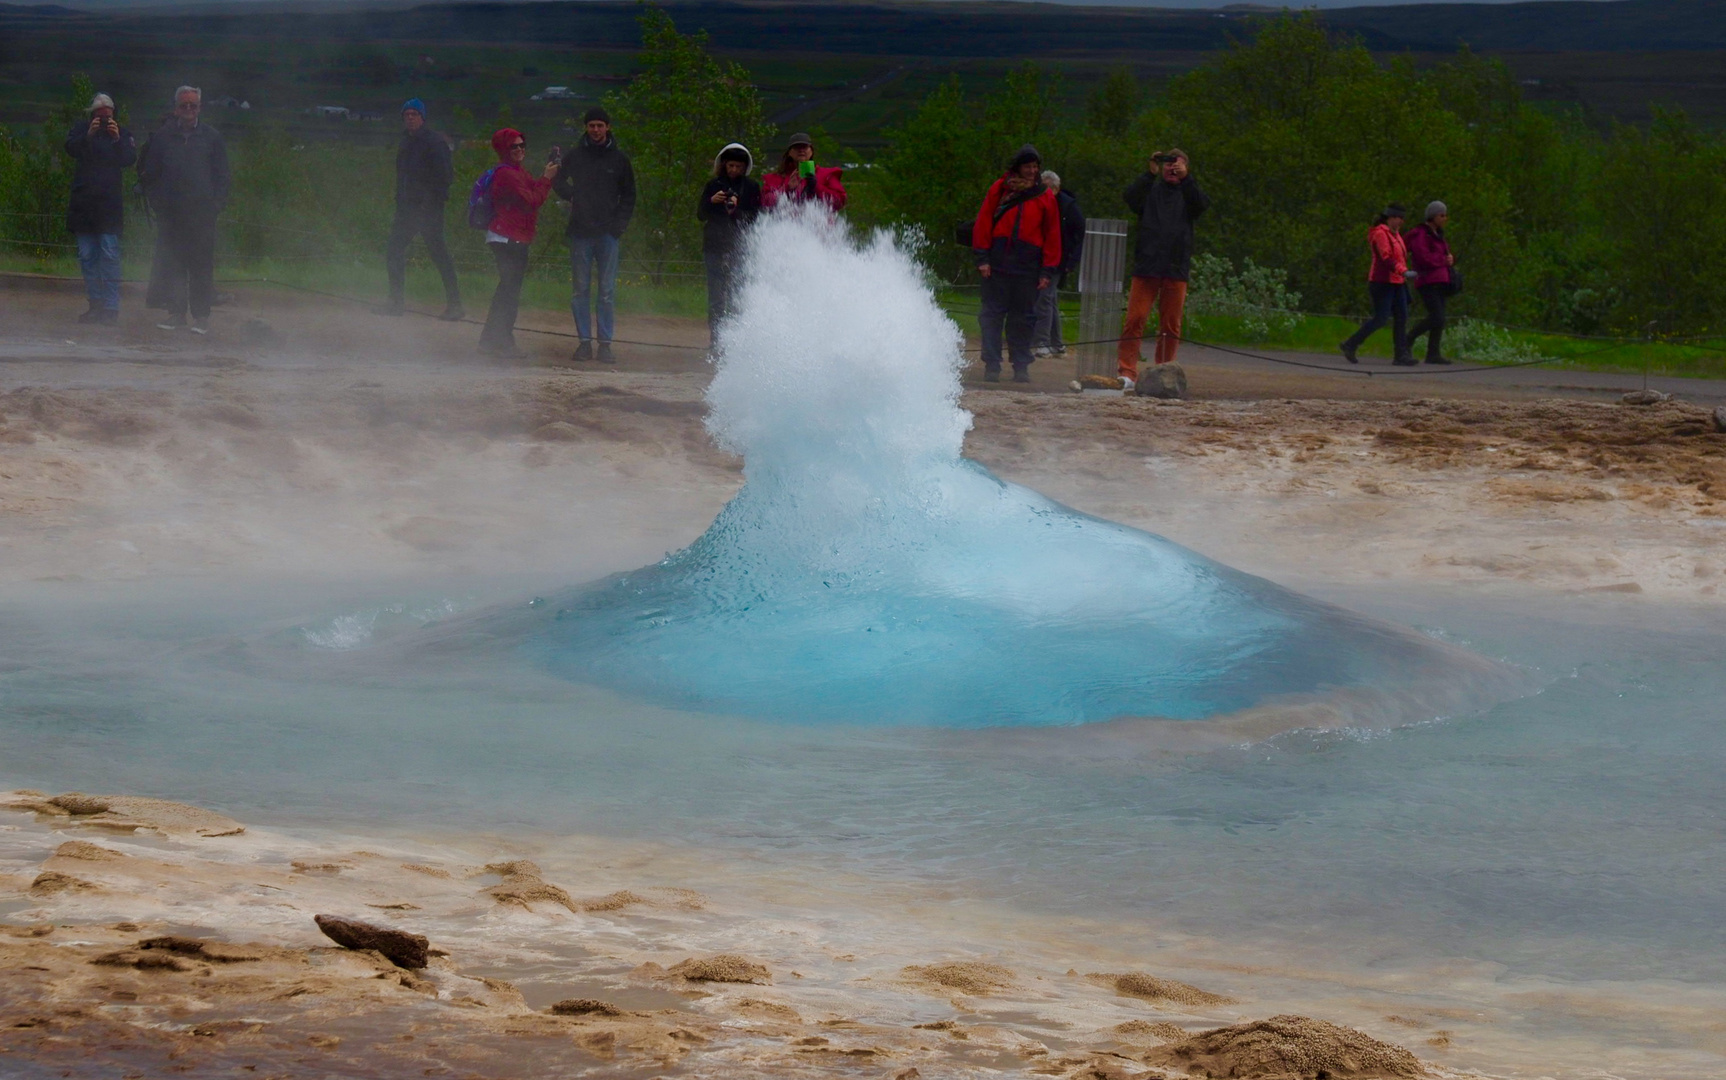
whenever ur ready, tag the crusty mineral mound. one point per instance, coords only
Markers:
(1287, 1048)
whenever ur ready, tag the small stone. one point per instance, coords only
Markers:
(1720, 419)
(1163, 381)
(1645, 397)
(78, 804)
(401, 948)
(726, 967)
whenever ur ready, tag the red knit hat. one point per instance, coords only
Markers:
(500, 141)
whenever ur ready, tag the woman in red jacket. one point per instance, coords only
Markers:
(798, 179)
(515, 200)
(1435, 266)
(1385, 283)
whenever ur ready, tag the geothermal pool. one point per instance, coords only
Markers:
(883, 669)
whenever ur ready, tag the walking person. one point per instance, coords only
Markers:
(1017, 241)
(599, 183)
(1436, 278)
(1386, 285)
(799, 180)
(1047, 339)
(728, 203)
(1166, 201)
(515, 198)
(100, 149)
(183, 170)
(425, 169)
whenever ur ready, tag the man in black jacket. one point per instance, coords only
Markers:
(599, 183)
(101, 148)
(1047, 341)
(184, 172)
(424, 172)
(1167, 201)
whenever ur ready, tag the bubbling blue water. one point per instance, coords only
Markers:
(868, 573)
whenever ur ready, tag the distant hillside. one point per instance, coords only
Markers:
(939, 29)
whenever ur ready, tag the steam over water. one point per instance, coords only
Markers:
(868, 573)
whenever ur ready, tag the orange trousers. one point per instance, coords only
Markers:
(1170, 296)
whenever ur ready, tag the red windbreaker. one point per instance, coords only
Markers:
(516, 196)
(1025, 238)
(793, 188)
(1389, 255)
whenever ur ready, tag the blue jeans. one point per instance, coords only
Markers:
(99, 259)
(584, 252)
(1389, 304)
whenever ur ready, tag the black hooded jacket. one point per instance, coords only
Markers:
(722, 226)
(424, 169)
(1166, 213)
(98, 189)
(599, 183)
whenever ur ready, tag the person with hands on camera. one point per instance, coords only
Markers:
(424, 172)
(1166, 201)
(99, 148)
(183, 170)
(1017, 241)
(799, 180)
(516, 197)
(599, 182)
(728, 203)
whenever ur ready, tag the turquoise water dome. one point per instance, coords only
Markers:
(867, 573)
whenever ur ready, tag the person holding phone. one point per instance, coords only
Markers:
(728, 203)
(1166, 201)
(99, 148)
(799, 180)
(516, 197)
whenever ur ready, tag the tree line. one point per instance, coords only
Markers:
(1300, 135)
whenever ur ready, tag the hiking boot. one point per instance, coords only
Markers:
(172, 322)
(1042, 352)
(1021, 373)
(108, 317)
(1405, 360)
(200, 326)
(93, 315)
(583, 352)
(1348, 353)
(1437, 360)
(992, 374)
(393, 307)
(453, 313)
(605, 356)
(506, 351)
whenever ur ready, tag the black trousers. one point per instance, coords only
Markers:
(1389, 304)
(1432, 298)
(721, 269)
(1010, 302)
(425, 222)
(499, 329)
(186, 261)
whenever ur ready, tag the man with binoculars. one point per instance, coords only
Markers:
(1166, 201)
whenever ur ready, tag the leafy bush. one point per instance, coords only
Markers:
(1257, 296)
(1481, 342)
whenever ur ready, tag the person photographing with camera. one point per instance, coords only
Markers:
(728, 203)
(1166, 200)
(515, 196)
(100, 148)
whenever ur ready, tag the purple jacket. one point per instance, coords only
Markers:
(1429, 255)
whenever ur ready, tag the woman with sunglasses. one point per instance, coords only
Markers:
(515, 199)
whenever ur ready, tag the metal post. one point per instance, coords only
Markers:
(1102, 272)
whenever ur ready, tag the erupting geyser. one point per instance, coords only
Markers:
(868, 573)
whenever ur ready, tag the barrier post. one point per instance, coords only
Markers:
(1102, 274)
